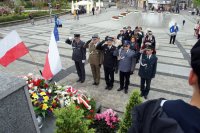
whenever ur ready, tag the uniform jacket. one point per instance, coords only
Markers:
(79, 52)
(148, 67)
(126, 60)
(109, 59)
(173, 29)
(150, 117)
(95, 55)
(151, 40)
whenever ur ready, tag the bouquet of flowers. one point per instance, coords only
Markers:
(42, 95)
(67, 95)
(107, 122)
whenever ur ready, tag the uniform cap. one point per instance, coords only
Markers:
(95, 36)
(126, 42)
(109, 39)
(149, 47)
(76, 35)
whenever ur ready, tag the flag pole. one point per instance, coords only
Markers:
(35, 63)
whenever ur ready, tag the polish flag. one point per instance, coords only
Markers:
(11, 48)
(52, 63)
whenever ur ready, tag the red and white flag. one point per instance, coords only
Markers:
(11, 48)
(52, 63)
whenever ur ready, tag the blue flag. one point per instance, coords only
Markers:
(56, 34)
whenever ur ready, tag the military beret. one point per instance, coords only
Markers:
(124, 28)
(76, 35)
(195, 58)
(129, 27)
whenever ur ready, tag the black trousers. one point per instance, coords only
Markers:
(80, 67)
(172, 39)
(124, 77)
(109, 76)
(145, 89)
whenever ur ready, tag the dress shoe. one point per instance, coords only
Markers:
(120, 89)
(145, 97)
(78, 80)
(82, 81)
(94, 83)
(97, 84)
(125, 91)
(106, 87)
(110, 87)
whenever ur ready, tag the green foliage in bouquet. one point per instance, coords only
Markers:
(125, 123)
(70, 119)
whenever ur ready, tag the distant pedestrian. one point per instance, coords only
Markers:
(173, 31)
(183, 22)
(77, 14)
(31, 18)
(93, 9)
(147, 70)
(74, 13)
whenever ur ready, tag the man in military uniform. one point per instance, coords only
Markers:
(95, 58)
(126, 65)
(79, 56)
(109, 61)
(147, 70)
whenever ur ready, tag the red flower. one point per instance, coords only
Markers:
(37, 82)
(77, 107)
(91, 111)
(70, 94)
(46, 86)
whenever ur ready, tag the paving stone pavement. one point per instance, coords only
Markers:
(173, 60)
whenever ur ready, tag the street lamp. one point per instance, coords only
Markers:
(50, 9)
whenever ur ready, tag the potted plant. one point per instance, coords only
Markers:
(106, 122)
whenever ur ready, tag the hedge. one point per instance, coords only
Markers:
(24, 15)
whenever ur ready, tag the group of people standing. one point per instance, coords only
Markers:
(120, 53)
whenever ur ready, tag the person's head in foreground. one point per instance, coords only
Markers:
(171, 116)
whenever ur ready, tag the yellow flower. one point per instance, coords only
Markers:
(46, 98)
(44, 106)
(42, 93)
(35, 96)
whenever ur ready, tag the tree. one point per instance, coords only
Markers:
(196, 3)
(125, 123)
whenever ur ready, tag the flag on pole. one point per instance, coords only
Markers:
(56, 34)
(52, 63)
(11, 48)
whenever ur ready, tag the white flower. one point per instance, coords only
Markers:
(30, 85)
(30, 91)
(49, 90)
(35, 88)
(30, 75)
(25, 78)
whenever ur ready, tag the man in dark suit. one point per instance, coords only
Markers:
(79, 56)
(109, 61)
(147, 70)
